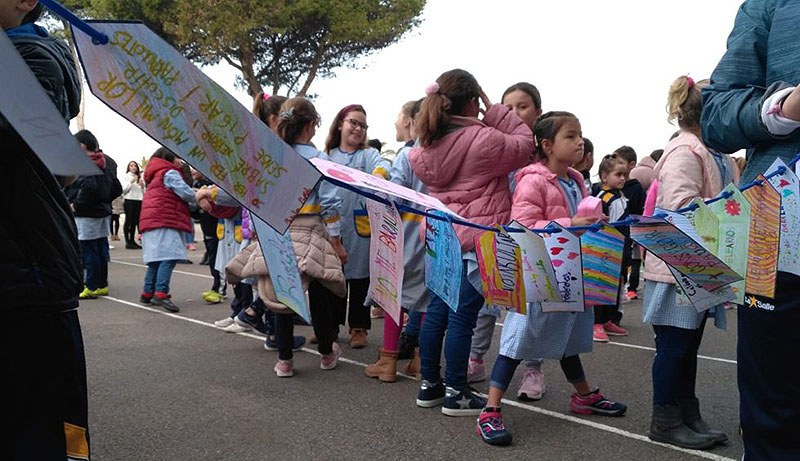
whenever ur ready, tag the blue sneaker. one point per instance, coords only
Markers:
(462, 403)
(490, 427)
(243, 319)
(271, 344)
(430, 394)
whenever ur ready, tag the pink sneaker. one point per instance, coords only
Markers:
(476, 371)
(284, 368)
(191, 246)
(532, 387)
(612, 329)
(600, 335)
(329, 361)
(595, 403)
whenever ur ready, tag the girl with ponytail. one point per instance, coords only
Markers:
(464, 161)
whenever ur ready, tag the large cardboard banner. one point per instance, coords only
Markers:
(443, 265)
(26, 106)
(386, 257)
(537, 270)
(281, 261)
(564, 248)
(500, 263)
(151, 84)
(788, 186)
(765, 231)
(602, 265)
(733, 214)
(687, 256)
(358, 178)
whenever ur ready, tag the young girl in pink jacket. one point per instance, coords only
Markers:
(547, 190)
(465, 163)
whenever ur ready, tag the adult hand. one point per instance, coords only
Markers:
(791, 105)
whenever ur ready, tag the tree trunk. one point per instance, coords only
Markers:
(314, 66)
(248, 71)
(276, 69)
(80, 119)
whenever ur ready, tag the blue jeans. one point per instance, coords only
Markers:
(95, 262)
(675, 364)
(414, 322)
(458, 325)
(158, 275)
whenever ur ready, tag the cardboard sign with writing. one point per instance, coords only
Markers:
(537, 270)
(788, 186)
(281, 261)
(765, 231)
(147, 81)
(500, 263)
(673, 246)
(564, 249)
(701, 299)
(706, 225)
(602, 265)
(443, 264)
(386, 257)
(26, 106)
(359, 178)
(733, 214)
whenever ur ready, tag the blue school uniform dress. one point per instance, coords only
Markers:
(664, 305)
(165, 243)
(355, 221)
(549, 335)
(324, 201)
(415, 293)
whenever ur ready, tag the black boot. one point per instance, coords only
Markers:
(668, 427)
(406, 346)
(690, 412)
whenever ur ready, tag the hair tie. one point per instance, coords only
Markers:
(690, 80)
(286, 115)
(265, 97)
(431, 89)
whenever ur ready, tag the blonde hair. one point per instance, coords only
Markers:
(684, 102)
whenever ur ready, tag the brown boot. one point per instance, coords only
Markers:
(412, 368)
(358, 338)
(385, 368)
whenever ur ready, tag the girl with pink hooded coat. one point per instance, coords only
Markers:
(465, 163)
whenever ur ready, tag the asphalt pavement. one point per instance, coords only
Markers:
(173, 386)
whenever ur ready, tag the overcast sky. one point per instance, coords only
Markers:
(610, 63)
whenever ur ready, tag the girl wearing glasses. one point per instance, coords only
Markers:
(346, 145)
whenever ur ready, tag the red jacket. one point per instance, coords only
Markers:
(160, 206)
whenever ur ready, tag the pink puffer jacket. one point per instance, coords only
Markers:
(468, 169)
(539, 199)
(686, 170)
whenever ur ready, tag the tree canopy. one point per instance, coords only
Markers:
(279, 44)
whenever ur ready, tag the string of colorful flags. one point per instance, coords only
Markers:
(726, 249)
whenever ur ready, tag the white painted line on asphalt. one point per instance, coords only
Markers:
(513, 403)
(174, 272)
(647, 348)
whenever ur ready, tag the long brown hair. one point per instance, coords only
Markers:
(294, 115)
(457, 87)
(334, 139)
(265, 105)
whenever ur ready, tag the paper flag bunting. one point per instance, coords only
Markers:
(765, 227)
(443, 264)
(564, 248)
(500, 263)
(386, 258)
(602, 265)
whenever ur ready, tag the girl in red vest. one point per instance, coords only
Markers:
(165, 225)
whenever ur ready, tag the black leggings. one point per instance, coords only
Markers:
(211, 244)
(114, 224)
(133, 209)
(323, 319)
(358, 317)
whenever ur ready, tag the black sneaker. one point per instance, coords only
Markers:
(145, 298)
(243, 319)
(405, 349)
(166, 303)
(462, 403)
(430, 394)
